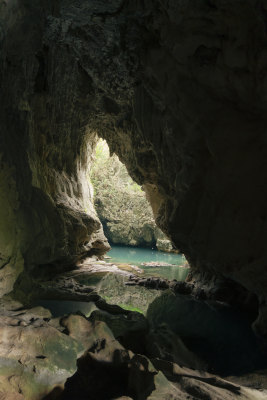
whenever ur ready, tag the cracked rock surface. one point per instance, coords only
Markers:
(38, 360)
(115, 353)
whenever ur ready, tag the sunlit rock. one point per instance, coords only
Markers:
(35, 357)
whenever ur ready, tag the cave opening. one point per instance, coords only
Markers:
(121, 204)
(172, 317)
(178, 91)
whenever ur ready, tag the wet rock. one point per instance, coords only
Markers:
(155, 264)
(114, 287)
(130, 268)
(150, 283)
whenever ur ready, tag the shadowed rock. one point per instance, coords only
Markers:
(179, 94)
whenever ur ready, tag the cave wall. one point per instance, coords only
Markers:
(178, 90)
(46, 211)
(203, 107)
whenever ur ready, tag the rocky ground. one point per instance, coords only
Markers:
(116, 353)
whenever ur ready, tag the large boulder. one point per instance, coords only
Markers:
(35, 357)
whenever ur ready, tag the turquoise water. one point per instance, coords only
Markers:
(137, 256)
(127, 255)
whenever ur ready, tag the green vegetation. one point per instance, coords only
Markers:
(121, 203)
(131, 308)
(128, 307)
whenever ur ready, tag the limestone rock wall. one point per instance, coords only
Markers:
(203, 107)
(46, 214)
(177, 88)
(121, 204)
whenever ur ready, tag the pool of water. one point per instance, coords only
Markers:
(112, 286)
(137, 256)
(63, 307)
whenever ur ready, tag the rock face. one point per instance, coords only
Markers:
(178, 90)
(121, 204)
(46, 214)
(124, 354)
(36, 356)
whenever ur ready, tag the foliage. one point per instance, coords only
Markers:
(120, 202)
(131, 308)
(128, 307)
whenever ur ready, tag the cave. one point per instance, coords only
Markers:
(178, 90)
(123, 208)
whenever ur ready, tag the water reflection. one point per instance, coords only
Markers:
(137, 256)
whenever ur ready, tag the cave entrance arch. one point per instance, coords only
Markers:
(187, 125)
(121, 204)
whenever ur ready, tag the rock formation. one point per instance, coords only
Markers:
(46, 212)
(121, 353)
(121, 204)
(178, 90)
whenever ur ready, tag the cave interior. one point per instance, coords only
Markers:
(178, 89)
